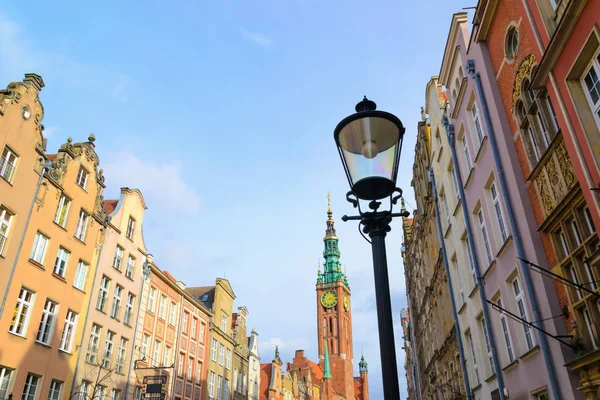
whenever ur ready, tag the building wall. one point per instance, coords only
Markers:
(22, 352)
(240, 355)
(112, 320)
(253, 366)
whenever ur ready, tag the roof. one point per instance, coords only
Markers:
(109, 205)
(316, 371)
(168, 275)
(199, 293)
(51, 157)
(266, 372)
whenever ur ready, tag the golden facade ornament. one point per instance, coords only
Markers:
(565, 165)
(524, 69)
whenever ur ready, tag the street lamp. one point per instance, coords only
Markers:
(370, 143)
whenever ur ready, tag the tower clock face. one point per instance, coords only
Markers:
(329, 299)
(346, 302)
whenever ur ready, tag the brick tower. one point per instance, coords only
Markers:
(334, 315)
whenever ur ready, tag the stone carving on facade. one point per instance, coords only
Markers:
(524, 69)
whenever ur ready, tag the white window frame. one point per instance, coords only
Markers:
(184, 322)
(40, 246)
(180, 365)
(172, 311)
(523, 313)
(471, 261)
(162, 307)
(109, 345)
(116, 306)
(595, 107)
(228, 358)
(80, 275)
(62, 211)
(30, 387)
(476, 119)
(118, 258)
(485, 237)
(211, 385)
(5, 378)
(202, 328)
(93, 344)
(69, 329)
(47, 322)
(62, 259)
(115, 394)
(535, 146)
(224, 323)
(130, 228)
(456, 184)
(151, 299)
(167, 356)
(468, 159)
(190, 369)
(84, 390)
(226, 389)
(82, 177)
(198, 372)
(193, 331)
(103, 293)
(82, 223)
(506, 335)
(145, 343)
(129, 309)
(55, 390)
(574, 276)
(22, 312)
(488, 347)
(500, 220)
(219, 387)
(8, 167)
(130, 266)
(213, 350)
(156, 353)
(5, 223)
(221, 354)
(543, 128)
(474, 358)
(588, 322)
(454, 262)
(554, 117)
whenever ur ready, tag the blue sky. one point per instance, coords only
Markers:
(222, 113)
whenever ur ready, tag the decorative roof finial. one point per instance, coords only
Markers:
(330, 229)
(329, 212)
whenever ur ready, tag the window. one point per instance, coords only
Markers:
(167, 357)
(543, 128)
(130, 228)
(459, 280)
(224, 323)
(80, 275)
(103, 294)
(180, 365)
(477, 123)
(62, 211)
(84, 390)
(535, 146)
(184, 327)
(22, 312)
(5, 220)
(190, 369)
(194, 322)
(129, 309)
(488, 348)
(213, 350)
(228, 359)
(211, 385)
(221, 353)
(591, 85)
(468, 161)
(31, 384)
(226, 390)
(544, 395)
(162, 307)
(552, 112)
(471, 262)
(202, 327)
(5, 375)
(40, 243)
(81, 228)
(523, 313)
(101, 392)
(122, 355)
(54, 392)
(82, 176)
(116, 307)
(60, 264)
(66, 340)
(484, 236)
(151, 299)
(575, 231)
(46, 328)
(8, 162)
(130, 267)
(445, 203)
(219, 387)
(108, 349)
(156, 354)
(115, 394)
(198, 372)
(475, 368)
(92, 352)
(172, 311)
(572, 274)
(588, 323)
(456, 185)
(588, 220)
(145, 342)
(137, 394)
(118, 257)
(499, 212)
(506, 335)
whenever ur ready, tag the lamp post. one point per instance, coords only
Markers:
(369, 143)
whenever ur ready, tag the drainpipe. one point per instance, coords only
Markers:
(461, 351)
(145, 276)
(86, 317)
(475, 259)
(45, 168)
(515, 229)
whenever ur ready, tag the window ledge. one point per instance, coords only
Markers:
(505, 246)
(490, 378)
(462, 307)
(60, 226)
(59, 277)
(81, 290)
(476, 387)
(469, 177)
(4, 180)
(511, 366)
(46, 345)
(489, 269)
(473, 291)
(37, 264)
(527, 355)
(79, 240)
(18, 335)
(65, 352)
(481, 147)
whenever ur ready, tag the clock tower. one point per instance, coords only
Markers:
(334, 315)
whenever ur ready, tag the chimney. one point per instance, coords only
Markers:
(35, 80)
(299, 354)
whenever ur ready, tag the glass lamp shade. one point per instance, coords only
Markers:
(369, 143)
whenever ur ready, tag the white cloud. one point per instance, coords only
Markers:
(161, 183)
(258, 38)
(288, 346)
(50, 132)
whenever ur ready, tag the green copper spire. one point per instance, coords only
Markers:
(326, 368)
(362, 365)
(332, 267)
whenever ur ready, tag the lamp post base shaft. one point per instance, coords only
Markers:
(387, 346)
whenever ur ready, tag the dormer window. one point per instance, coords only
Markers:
(82, 177)
(205, 298)
(130, 228)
